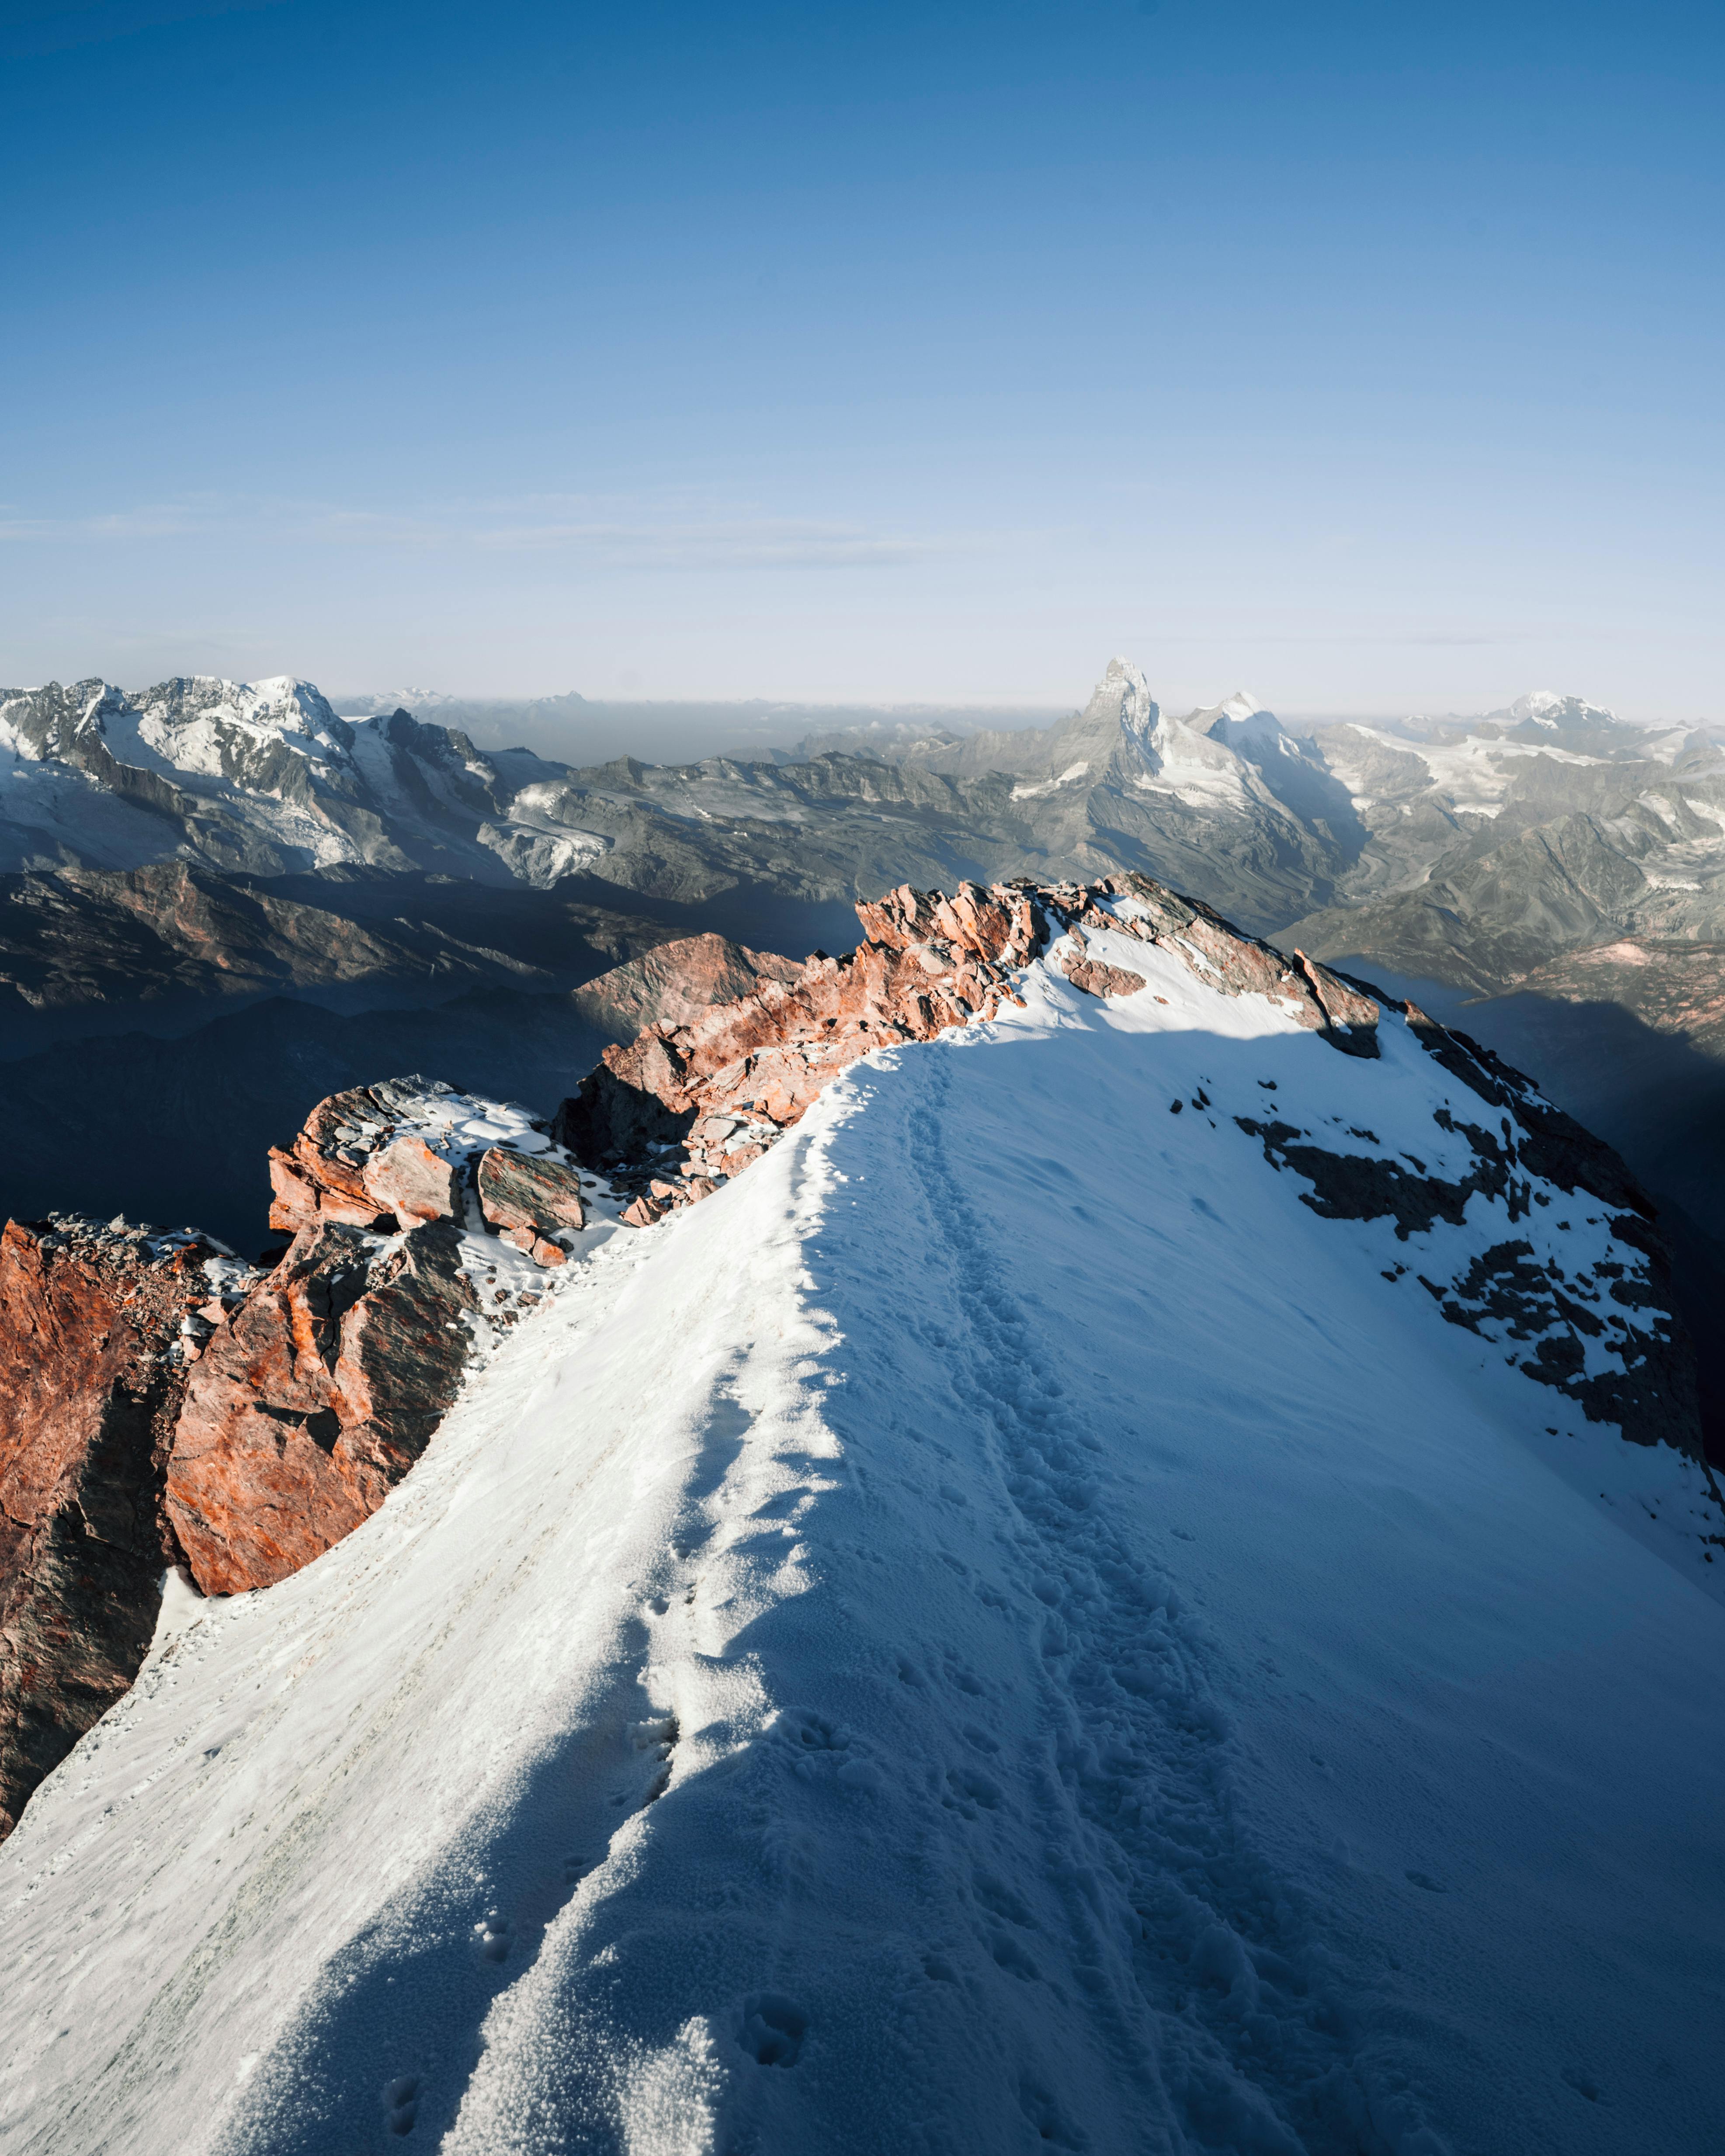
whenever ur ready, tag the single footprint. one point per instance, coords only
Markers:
(971, 1787)
(1583, 2084)
(773, 2027)
(492, 1932)
(401, 2102)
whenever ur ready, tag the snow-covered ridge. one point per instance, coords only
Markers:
(1492, 1160)
(1007, 1626)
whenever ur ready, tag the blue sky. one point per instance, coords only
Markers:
(1368, 356)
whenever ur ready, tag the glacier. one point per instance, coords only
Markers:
(1002, 1629)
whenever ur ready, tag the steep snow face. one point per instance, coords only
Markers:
(1002, 1629)
(217, 729)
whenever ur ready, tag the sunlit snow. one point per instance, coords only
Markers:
(1001, 1629)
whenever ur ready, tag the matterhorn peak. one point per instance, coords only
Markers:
(1124, 693)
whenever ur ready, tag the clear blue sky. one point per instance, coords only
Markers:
(1367, 355)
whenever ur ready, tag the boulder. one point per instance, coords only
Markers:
(1095, 979)
(531, 1193)
(409, 1179)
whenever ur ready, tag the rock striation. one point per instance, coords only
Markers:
(717, 1091)
(100, 1327)
(315, 1399)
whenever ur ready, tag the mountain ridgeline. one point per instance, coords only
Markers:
(252, 900)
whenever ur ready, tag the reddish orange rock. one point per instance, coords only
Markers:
(760, 1060)
(721, 1086)
(91, 1374)
(676, 983)
(409, 1179)
(315, 1399)
(528, 1194)
(1099, 980)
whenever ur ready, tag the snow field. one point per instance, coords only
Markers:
(1000, 1630)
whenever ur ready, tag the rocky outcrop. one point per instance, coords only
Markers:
(722, 1088)
(169, 1405)
(407, 1151)
(316, 1398)
(529, 1199)
(323, 1389)
(163, 1403)
(1345, 1012)
(98, 1329)
(682, 1106)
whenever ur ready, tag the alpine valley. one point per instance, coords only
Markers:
(1081, 1519)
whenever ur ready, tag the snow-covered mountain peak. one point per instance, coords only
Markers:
(1549, 706)
(1539, 704)
(380, 704)
(193, 721)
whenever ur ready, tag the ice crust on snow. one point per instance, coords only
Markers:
(1001, 1628)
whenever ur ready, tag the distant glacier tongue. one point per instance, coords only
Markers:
(1003, 1628)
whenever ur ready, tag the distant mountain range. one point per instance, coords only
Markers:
(170, 853)
(1471, 850)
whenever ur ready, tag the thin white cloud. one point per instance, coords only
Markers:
(670, 535)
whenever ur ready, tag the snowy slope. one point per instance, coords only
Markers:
(1001, 1629)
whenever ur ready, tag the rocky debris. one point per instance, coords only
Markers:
(411, 1182)
(98, 1329)
(316, 1398)
(1555, 1145)
(409, 1150)
(674, 984)
(1647, 1384)
(1361, 1187)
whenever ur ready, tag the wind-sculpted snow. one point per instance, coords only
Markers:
(1005, 1628)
